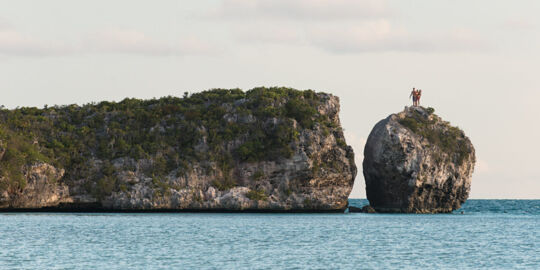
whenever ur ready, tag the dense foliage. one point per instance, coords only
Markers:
(165, 131)
(257, 195)
(449, 139)
(15, 152)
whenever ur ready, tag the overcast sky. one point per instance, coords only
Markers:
(478, 63)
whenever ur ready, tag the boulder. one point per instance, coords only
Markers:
(414, 162)
(364, 209)
(368, 209)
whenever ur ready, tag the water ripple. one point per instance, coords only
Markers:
(497, 235)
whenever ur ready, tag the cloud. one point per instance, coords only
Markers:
(13, 42)
(278, 33)
(366, 36)
(136, 42)
(337, 26)
(381, 36)
(518, 24)
(111, 41)
(301, 9)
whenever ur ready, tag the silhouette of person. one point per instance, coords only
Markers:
(413, 95)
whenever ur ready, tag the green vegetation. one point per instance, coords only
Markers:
(165, 131)
(341, 143)
(449, 139)
(257, 195)
(224, 183)
(16, 152)
(258, 175)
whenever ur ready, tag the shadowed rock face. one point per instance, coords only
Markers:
(315, 171)
(414, 162)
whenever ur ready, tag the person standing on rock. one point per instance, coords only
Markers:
(418, 96)
(414, 96)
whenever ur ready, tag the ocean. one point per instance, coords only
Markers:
(489, 234)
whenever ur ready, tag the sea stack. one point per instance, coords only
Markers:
(414, 162)
(264, 150)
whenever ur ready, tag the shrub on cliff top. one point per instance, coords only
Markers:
(449, 139)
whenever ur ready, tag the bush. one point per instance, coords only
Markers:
(301, 111)
(341, 143)
(250, 151)
(105, 186)
(224, 183)
(410, 123)
(18, 152)
(257, 195)
(258, 175)
(450, 140)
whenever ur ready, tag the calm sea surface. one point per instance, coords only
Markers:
(490, 234)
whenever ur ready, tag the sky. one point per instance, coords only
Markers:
(477, 63)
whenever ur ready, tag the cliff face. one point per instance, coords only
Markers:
(263, 150)
(414, 162)
(42, 188)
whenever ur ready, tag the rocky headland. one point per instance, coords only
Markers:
(267, 149)
(414, 162)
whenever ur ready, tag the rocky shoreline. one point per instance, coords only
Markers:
(96, 208)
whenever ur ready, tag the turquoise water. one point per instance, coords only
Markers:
(490, 234)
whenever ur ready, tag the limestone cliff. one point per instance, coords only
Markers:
(265, 149)
(41, 188)
(414, 162)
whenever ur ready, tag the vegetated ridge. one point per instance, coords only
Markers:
(267, 149)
